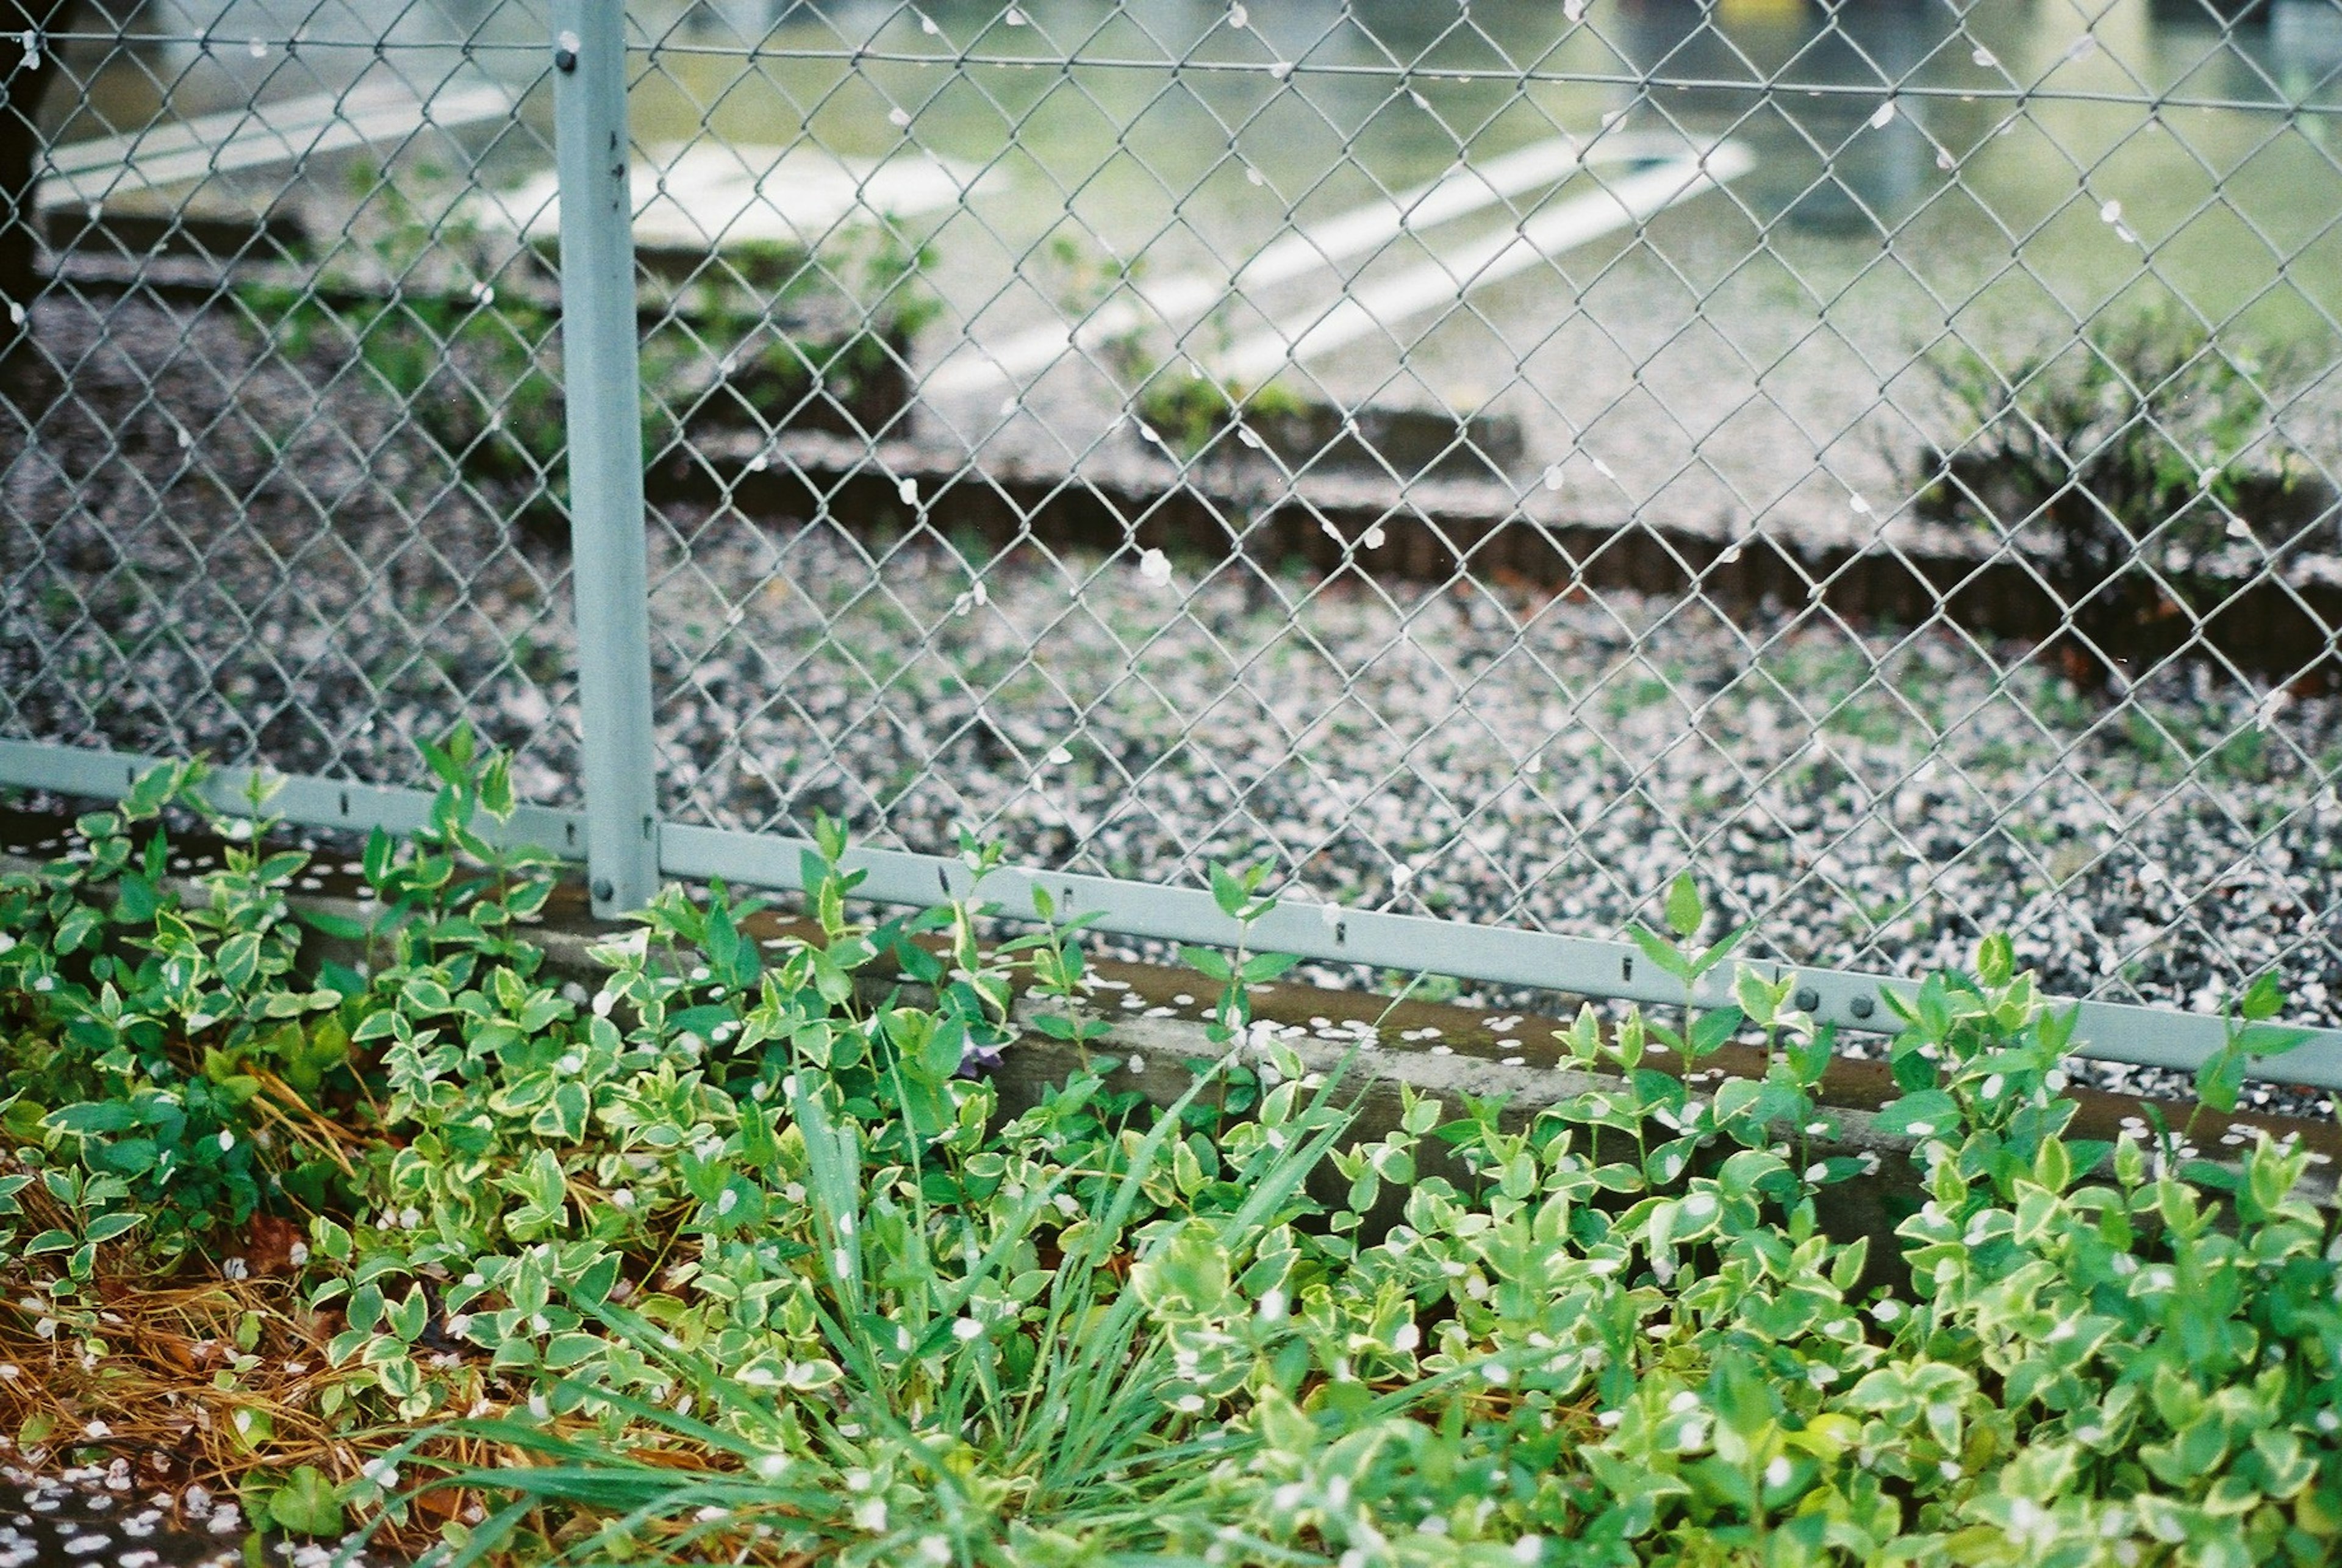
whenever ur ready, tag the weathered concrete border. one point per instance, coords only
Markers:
(2272, 619)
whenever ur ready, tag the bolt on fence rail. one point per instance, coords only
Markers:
(1483, 460)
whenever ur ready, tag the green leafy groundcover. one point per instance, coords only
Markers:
(728, 1260)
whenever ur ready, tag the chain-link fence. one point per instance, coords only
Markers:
(284, 411)
(1480, 459)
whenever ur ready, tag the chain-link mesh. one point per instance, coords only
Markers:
(1483, 458)
(1875, 455)
(282, 414)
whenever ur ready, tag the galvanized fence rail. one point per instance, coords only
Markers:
(1481, 459)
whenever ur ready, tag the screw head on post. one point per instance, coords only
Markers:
(603, 891)
(565, 53)
(1807, 999)
(1860, 1006)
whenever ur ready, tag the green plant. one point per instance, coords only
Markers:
(1189, 410)
(1095, 292)
(412, 301)
(1011, 1404)
(774, 334)
(739, 1257)
(2250, 1035)
(145, 1025)
(1056, 967)
(1685, 912)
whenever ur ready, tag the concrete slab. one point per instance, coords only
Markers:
(285, 131)
(705, 196)
(1443, 282)
(1662, 171)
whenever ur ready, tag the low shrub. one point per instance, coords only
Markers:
(458, 330)
(738, 1257)
(1189, 411)
(2126, 463)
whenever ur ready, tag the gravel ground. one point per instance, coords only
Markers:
(207, 549)
(1871, 797)
(97, 1516)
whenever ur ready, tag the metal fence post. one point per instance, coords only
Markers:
(609, 573)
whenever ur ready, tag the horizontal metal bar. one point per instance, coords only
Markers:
(220, 38)
(2105, 1031)
(1283, 70)
(1981, 93)
(1585, 966)
(303, 799)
